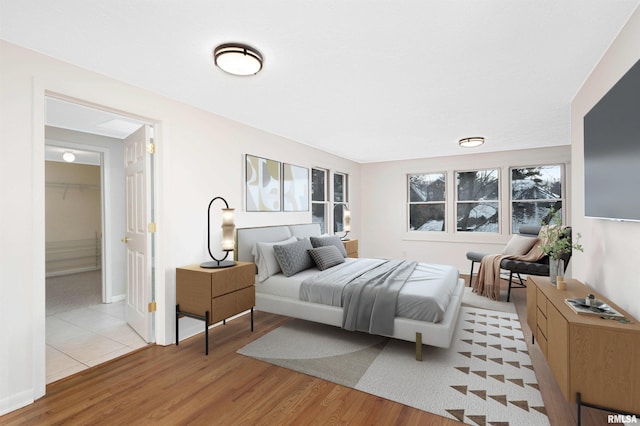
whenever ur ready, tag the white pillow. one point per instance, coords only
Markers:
(519, 245)
(266, 259)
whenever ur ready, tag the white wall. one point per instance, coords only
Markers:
(384, 199)
(610, 262)
(200, 155)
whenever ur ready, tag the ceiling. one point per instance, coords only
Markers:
(367, 80)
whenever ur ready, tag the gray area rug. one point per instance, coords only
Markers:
(485, 377)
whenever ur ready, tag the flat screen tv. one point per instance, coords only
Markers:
(612, 152)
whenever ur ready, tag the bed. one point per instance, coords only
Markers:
(280, 294)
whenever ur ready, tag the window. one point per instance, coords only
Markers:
(319, 198)
(340, 200)
(478, 203)
(534, 191)
(427, 202)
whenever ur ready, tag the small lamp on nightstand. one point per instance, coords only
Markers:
(346, 221)
(227, 236)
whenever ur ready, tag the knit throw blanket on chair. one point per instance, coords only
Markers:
(488, 282)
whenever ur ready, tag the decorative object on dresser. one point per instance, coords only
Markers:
(213, 295)
(594, 358)
(558, 244)
(227, 236)
(351, 247)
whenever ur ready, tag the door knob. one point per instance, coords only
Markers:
(125, 240)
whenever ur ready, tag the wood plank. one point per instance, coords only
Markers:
(180, 385)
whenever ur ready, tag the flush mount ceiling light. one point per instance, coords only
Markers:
(237, 59)
(471, 142)
(69, 157)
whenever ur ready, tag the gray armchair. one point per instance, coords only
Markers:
(517, 267)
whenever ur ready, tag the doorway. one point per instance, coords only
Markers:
(78, 337)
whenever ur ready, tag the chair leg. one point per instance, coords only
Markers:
(471, 273)
(509, 290)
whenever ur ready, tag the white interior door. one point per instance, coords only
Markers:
(138, 240)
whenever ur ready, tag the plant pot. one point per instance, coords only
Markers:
(556, 268)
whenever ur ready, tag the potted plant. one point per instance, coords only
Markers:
(558, 242)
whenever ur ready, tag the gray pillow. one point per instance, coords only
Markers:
(326, 256)
(293, 257)
(331, 240)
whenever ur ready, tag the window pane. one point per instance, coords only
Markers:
(532, 213)
(427, 187)
(426, 217)
(477, 217)
(318, 191)
(478, 185)
(338, 188)
(536, 183)
(318, 215)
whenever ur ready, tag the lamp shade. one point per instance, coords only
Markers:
(346, 217)
(227, 229)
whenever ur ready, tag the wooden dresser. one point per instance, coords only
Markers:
(351, 246)
(595, 357)
(213, 295)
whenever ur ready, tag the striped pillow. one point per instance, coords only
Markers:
(326, 256)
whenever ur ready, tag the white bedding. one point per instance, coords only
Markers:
(424, 297)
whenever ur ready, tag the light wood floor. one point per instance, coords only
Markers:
(180, 385)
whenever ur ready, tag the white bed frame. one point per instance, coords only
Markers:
(421, 332)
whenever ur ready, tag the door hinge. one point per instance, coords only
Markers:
(151, 227)
(151, 148)
(152, 306)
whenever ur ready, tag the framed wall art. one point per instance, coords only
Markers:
(262, 184)
(295, 188)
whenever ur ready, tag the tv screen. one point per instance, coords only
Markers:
(612, 152)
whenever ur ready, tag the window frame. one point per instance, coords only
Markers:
(445, 179)
(334, 203)
(457, 200)
(324, 202)
(562, 199)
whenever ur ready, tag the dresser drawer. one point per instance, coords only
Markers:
(541, 301)
(542, 323)
(542, 342)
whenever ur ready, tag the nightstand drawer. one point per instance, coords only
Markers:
(232, 279)
(231, 304)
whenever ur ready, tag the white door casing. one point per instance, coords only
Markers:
(138, 239)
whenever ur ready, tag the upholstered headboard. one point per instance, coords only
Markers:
(246, 238)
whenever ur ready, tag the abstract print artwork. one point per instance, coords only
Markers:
(295, 188)
(262, 184)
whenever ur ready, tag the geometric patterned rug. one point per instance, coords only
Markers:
(484, 378)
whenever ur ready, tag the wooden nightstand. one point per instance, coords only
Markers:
(351, 246)
(213, 295)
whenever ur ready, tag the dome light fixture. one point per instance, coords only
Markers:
(237, 59)
(69, 157)
(471, 142)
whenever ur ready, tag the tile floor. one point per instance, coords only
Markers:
(81, 338)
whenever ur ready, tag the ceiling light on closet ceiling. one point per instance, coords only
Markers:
(237, 59)
(69, 157)
(471, 142)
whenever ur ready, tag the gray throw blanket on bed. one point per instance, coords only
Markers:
(369, 301)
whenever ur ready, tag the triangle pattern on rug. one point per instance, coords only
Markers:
(502, 388)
